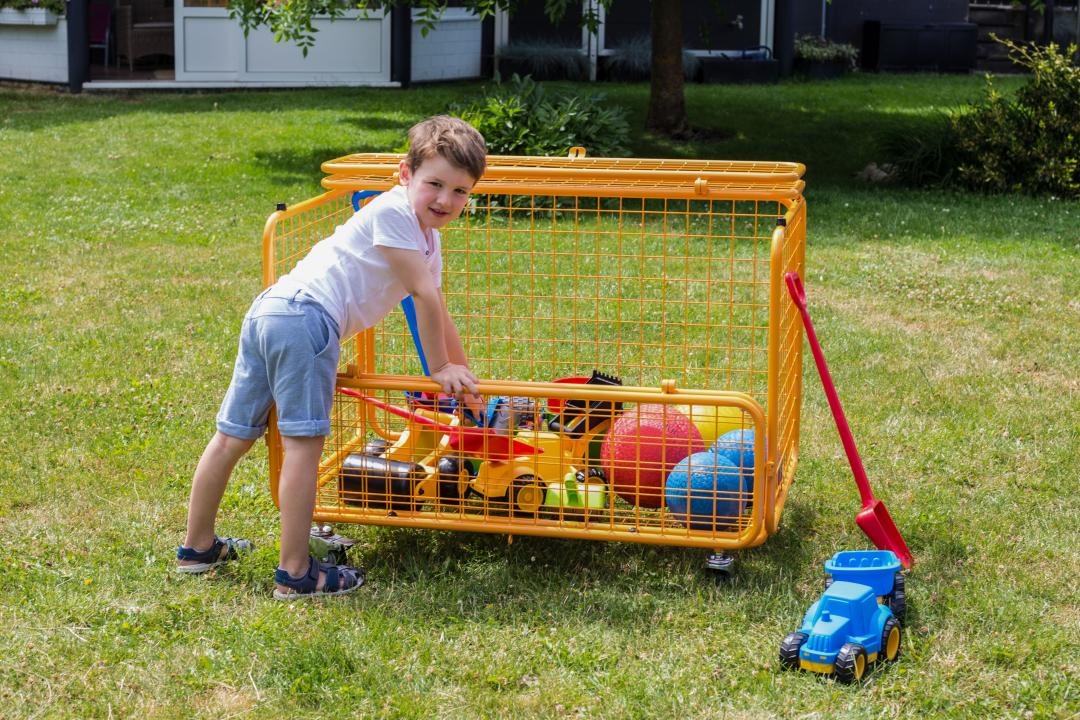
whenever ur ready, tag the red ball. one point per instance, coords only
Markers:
(642, 447)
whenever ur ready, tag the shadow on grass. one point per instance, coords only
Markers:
(368, 121)
(833, 128)
(30, 108)
(287, 166)
(450, 577)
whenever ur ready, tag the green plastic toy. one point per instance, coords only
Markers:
(573, 498)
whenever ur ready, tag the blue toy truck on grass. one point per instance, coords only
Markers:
(854, 623)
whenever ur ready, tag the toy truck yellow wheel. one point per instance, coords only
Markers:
(850, 663)
(526, 495)
(890, 640)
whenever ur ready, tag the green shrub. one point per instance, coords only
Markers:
(520, 118)
(632, 60)
(1028, 143)
(924, 157)
(545, 60)
(812, 48)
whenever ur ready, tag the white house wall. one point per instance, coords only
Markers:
(450, 51)
(34, 52)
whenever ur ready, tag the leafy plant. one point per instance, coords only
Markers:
(924, 158)
(1030, 142)
(813, 48)
(547, 60)
(57, 6)
(633, 59)
(520, 118)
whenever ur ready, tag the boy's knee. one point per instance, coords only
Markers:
(230, 445)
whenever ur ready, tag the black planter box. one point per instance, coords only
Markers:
(725, 70)
(908, 47)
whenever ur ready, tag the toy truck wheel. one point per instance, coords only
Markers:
(890, 640)
(850, 663)
(450, 470)
(897, 599)
(789, 650)
(526, 495)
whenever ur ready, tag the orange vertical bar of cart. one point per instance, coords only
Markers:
(273, 439)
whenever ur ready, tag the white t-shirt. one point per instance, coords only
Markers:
(350, 277)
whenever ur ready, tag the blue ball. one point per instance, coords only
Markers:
(703, 491)
(739, 445)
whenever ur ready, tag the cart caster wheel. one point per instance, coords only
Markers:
(722, 564)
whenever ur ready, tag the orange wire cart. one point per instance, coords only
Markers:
(628, 320)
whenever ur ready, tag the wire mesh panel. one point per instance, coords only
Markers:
(668, 290)
(604, 462)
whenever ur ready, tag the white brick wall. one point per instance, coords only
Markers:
(450, 51)
(34, 52)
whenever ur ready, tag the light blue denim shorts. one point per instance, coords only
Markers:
(288, 357)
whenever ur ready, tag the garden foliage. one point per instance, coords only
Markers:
(1030, 142)
(520, 118)
(57, 6)
(813, 48)
(546, 60)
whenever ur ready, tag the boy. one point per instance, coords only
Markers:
(290, 342)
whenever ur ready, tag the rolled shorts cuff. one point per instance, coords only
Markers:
(304, 428)
(240, 431)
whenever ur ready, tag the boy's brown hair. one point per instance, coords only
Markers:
(453, 139)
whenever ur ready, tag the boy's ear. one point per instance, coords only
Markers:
(404, 173)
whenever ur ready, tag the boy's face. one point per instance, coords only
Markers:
(437, 191)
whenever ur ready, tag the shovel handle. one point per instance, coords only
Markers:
(796, 290)
(798, 296)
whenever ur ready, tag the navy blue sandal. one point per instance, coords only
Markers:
(342, 578)
(206, 559)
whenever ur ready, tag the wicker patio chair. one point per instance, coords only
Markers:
(143, 28)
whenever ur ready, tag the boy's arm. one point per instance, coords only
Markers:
(431, 319)
(455, 349)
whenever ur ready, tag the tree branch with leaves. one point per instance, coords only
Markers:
(292, 21)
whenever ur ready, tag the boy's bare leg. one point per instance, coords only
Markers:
(296, 496)
(208, 486)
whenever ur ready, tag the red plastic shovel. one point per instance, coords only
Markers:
(874, 519)
(469, 440)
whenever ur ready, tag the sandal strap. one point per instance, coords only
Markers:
(346, 577)
(236, 546)
(204, 556)
(332, 582)
(338, 577)
(213, 554)
(304, 584)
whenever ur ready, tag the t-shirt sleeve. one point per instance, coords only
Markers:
(390, 227)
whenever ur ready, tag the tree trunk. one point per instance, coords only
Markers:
(667, 106)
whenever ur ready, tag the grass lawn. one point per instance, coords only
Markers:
(130, 231)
